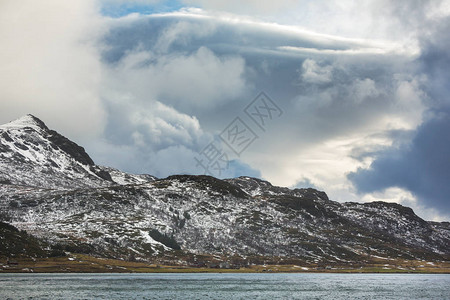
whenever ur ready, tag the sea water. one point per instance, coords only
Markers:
(225, 286)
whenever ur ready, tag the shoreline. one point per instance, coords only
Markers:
(85, 264)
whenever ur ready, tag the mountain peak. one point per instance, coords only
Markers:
(26, 121)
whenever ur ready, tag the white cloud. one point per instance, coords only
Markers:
(49, 64)
(410, 100)
(311, 72)
(182, 33)
(246, 7)
(149, 137)
(201, 80)
(395, 21)
(188, 82)
(363, 89)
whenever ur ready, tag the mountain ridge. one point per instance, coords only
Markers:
(52, 189)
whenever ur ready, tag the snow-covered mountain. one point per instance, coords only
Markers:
(33, 155)
(50, 187)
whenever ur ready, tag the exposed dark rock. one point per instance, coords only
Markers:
(70, 148)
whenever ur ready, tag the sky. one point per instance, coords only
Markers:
(349, 97)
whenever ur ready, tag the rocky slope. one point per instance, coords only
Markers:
(33, 155)
(52, 189)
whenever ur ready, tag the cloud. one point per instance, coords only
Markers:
(247, 7)
(145, 135)
(422, 165)
(182, 33)
(370, 19)
(50, 64)
(159, 138)
(201, 80)
(313, 73)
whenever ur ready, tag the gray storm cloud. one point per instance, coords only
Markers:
(422, 165)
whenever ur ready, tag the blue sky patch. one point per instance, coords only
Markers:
(119, 9)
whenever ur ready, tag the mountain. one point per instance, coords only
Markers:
(33, 155)
(53, 190)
